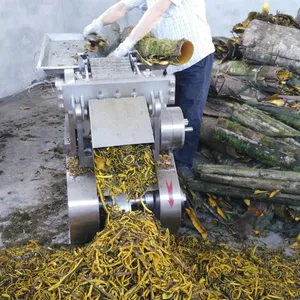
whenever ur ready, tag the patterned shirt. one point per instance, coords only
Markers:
(184, 19)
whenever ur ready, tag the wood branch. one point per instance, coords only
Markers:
(271, 44)
(242, 193)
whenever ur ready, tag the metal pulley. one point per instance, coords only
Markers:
(173, 129)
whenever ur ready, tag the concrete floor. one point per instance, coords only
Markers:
(32, 169)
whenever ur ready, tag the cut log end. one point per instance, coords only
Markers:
(186, 52)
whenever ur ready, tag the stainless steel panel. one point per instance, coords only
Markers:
(67, 141)
(117, 122)
(83, 203)
(137, 86)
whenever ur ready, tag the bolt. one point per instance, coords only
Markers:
(134, 93)
(60, 102)
(172, 100)
(172, 82)
(117, 94)
(100, 95)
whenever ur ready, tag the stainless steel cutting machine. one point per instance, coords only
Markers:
(113, 102)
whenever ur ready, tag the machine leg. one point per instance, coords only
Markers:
(83, 204)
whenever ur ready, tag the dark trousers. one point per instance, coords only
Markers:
(192, 87)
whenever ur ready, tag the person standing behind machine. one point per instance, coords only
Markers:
(173, 19)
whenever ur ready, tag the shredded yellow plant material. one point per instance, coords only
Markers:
(74, 167)
(126, 170)
(135, 258)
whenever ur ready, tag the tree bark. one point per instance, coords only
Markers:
(271, 44)
(242, 193)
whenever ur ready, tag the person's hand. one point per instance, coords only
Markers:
(95, 27)
(123, 48)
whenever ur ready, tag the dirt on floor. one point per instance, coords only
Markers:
(32, 169)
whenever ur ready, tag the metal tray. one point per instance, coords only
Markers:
(58, 50)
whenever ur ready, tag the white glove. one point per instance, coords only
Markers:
(95, 27)
(123, 48)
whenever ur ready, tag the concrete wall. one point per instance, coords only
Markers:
(23, 23)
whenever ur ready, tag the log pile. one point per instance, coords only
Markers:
(263, 55)
(252, 117)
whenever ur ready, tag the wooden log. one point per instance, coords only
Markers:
(155, 50)
(271, 44)
(253, 73)
(265, 16)
(207, 137)
(259, 121)
(286, 115)
(257, 146)
(247, 172)
(257, 151)
(217, 111)
(288, 187)
(242, 193)
(229, 85)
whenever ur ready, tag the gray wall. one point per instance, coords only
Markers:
(23, 23)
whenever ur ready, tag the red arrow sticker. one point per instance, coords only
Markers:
(170, 192)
